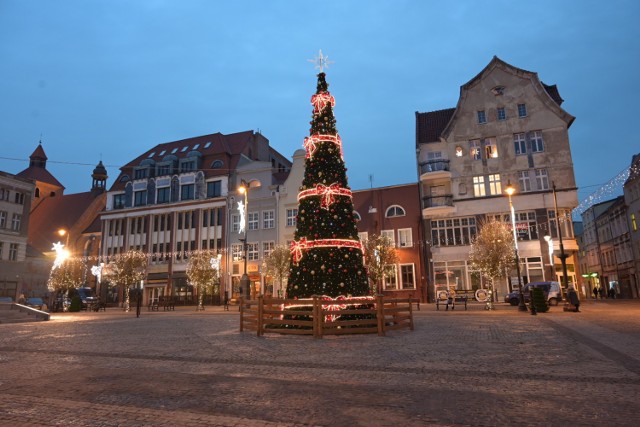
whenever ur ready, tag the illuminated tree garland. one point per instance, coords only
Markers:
(327, 193)
(312, 142)
(298, 247)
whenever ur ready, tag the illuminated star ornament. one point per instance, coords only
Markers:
(61, 254)
(321, 61)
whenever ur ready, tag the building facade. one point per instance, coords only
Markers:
(632, 200)
(395, 212)
(15, 205)
(507, 128)
(176, 198)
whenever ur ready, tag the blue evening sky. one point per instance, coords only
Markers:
(109, 79)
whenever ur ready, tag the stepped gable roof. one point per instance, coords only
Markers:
(429, 126)
(54, 213)
(226, 149)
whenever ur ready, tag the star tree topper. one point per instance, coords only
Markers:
(321, 61)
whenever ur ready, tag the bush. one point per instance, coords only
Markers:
(76, 304)
(538, 300)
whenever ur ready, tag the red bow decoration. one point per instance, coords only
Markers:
(297, 248)
(327, 194)
(320, 100)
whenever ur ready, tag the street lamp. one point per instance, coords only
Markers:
(245, 283)
(62, 232)
(510, 190)
(563, 256)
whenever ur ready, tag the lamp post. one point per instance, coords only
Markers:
(510, 190)
(549, 241)
(245, 283)
(64, 232)
(563, 256)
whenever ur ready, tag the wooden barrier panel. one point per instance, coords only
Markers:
(321, 316)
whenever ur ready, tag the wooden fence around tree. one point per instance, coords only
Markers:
(318, 316)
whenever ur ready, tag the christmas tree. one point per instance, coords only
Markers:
(326, 255)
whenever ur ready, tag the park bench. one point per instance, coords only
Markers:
(153, 305)
(167, 303)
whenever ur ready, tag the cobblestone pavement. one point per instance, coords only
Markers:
(188, 368)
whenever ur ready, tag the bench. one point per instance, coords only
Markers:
(153, 305)
(167, 303)
(451, 301)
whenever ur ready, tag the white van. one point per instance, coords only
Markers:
(551, 291)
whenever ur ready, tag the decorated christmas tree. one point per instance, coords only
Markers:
(326, 255)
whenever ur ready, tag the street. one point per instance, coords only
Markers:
(188, 368)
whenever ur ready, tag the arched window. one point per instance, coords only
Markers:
(217, 164)
(395, 210)
(356, 216)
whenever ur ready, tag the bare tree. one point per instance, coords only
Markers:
(203, 271)
(380, 258)
(277, 264)
(492, 251)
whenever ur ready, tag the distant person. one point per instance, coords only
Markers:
(595, 292)
(573, 299)
(226, 302)
(21, 299)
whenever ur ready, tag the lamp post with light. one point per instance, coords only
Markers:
(510, 190)
(245, 283)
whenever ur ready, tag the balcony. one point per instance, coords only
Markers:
(435, 169)
(437, 206)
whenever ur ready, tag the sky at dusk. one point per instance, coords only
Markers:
(109, 79)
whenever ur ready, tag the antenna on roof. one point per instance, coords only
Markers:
(371, 180)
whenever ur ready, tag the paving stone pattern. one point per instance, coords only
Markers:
(188, 368)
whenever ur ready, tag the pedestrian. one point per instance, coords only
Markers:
(226, 302)
(573, 299)
(21, 299)
(595, 292)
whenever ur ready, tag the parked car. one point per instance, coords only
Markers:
(87, 296)
(34, 302)
(551, 290)
(6, 299)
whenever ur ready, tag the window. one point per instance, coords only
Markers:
(395, 211)
(490, 148)
(474, 149)
(1, 246)
(4, 194)
(268, 219)
(390, 235)
(140, 174)
(522, 110)
(407, 276)
(187, 192)
(537, 145)
(164, 195)
(390, 281)
(188, 166)
(542, 180)
(163, 170)
(495, 188)
(478, 186)
(214, 189)
(405, 238)
(3, 219)
(267, 248)
(217, 164)
(482, 117)
(526, 224)
(292, 217)
(13, 252)
(19, 198)
(524, 181)
(252, 221)
(634, 226)
(453, 232)
(140, 198)
(16, 221)
(252, 251)
(520, 143)
(235, 223)
(236, 251)
(502, 115)
(565, 223)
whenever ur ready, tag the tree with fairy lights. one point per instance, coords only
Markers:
(203, 271)
(128, 269)
(326, 254)
(381, 257)
(492, 252)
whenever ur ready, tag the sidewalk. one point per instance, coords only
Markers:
(187, 368)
